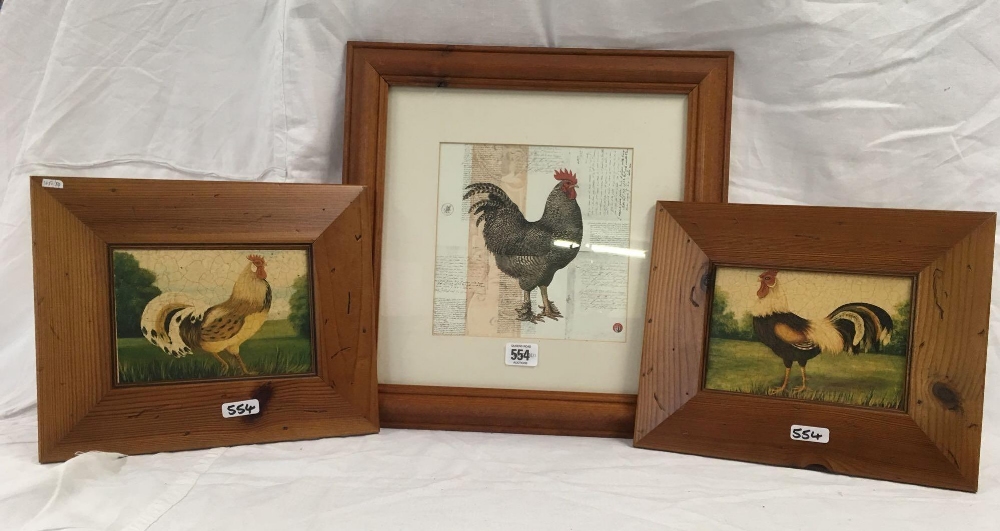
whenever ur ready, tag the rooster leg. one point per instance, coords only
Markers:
(548, 309)
(802, 387)
(524, 313)
(235, 351)
(225, 366)
(784, 384)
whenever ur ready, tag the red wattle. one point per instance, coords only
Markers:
(762, 292)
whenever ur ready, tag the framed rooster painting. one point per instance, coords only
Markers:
(840, 339)
(513, 210)
(173, 315)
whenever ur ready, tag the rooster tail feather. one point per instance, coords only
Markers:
(486, 208)
(864, 326)
(172, 322)
(478, 205)
(826, 335)
(494, 192)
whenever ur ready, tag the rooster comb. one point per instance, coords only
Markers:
(566, 175)
(257, 259)
(772, 272)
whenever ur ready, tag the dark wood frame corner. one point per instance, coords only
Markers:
(706, 77)
(80, 407)
(933, 441)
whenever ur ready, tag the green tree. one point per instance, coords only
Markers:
(299, 302)
(723, 320)
(133, 290)
(746, 327)
(901, 330)
(724, 323)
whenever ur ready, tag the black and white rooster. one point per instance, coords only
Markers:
(530, 251)
(853, 327)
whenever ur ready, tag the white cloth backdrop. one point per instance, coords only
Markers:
(890, 103)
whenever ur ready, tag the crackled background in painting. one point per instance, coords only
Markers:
(738, 360)
(199, 279)
(812, 294)
(210, 274)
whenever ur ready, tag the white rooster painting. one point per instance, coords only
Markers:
(187, 314)
(851, 332)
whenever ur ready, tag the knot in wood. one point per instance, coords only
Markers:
(948, 397)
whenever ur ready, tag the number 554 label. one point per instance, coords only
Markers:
(810, 434)
(240, 409)
(522, 354)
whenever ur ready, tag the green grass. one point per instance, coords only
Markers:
(868, 379)
(275, 349)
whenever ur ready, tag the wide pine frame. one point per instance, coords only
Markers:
(80, 407)
(934, 441)
(705, 77)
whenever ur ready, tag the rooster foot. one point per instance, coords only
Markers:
(225, 366)
(551, 312)
(525, 314)
(799, 389)
(776, 390)
(243, 366)
(532, 318)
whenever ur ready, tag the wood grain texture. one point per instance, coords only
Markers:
(935, 442)
(136, 211)
(71, 277)
(506, 410)
(373, 68)
(676, 321)
(852, 239)
(948, 360)
(345, 310)
(79, 406)
(863, 442)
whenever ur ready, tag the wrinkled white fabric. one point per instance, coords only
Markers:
(412, 479)
(890, 103)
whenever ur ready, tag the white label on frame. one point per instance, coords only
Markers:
(810, 434)
(521, 354)
(52, 183)
(240, 409)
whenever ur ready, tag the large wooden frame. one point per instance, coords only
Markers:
(933, 441)
(80, 407)
(372, 68)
